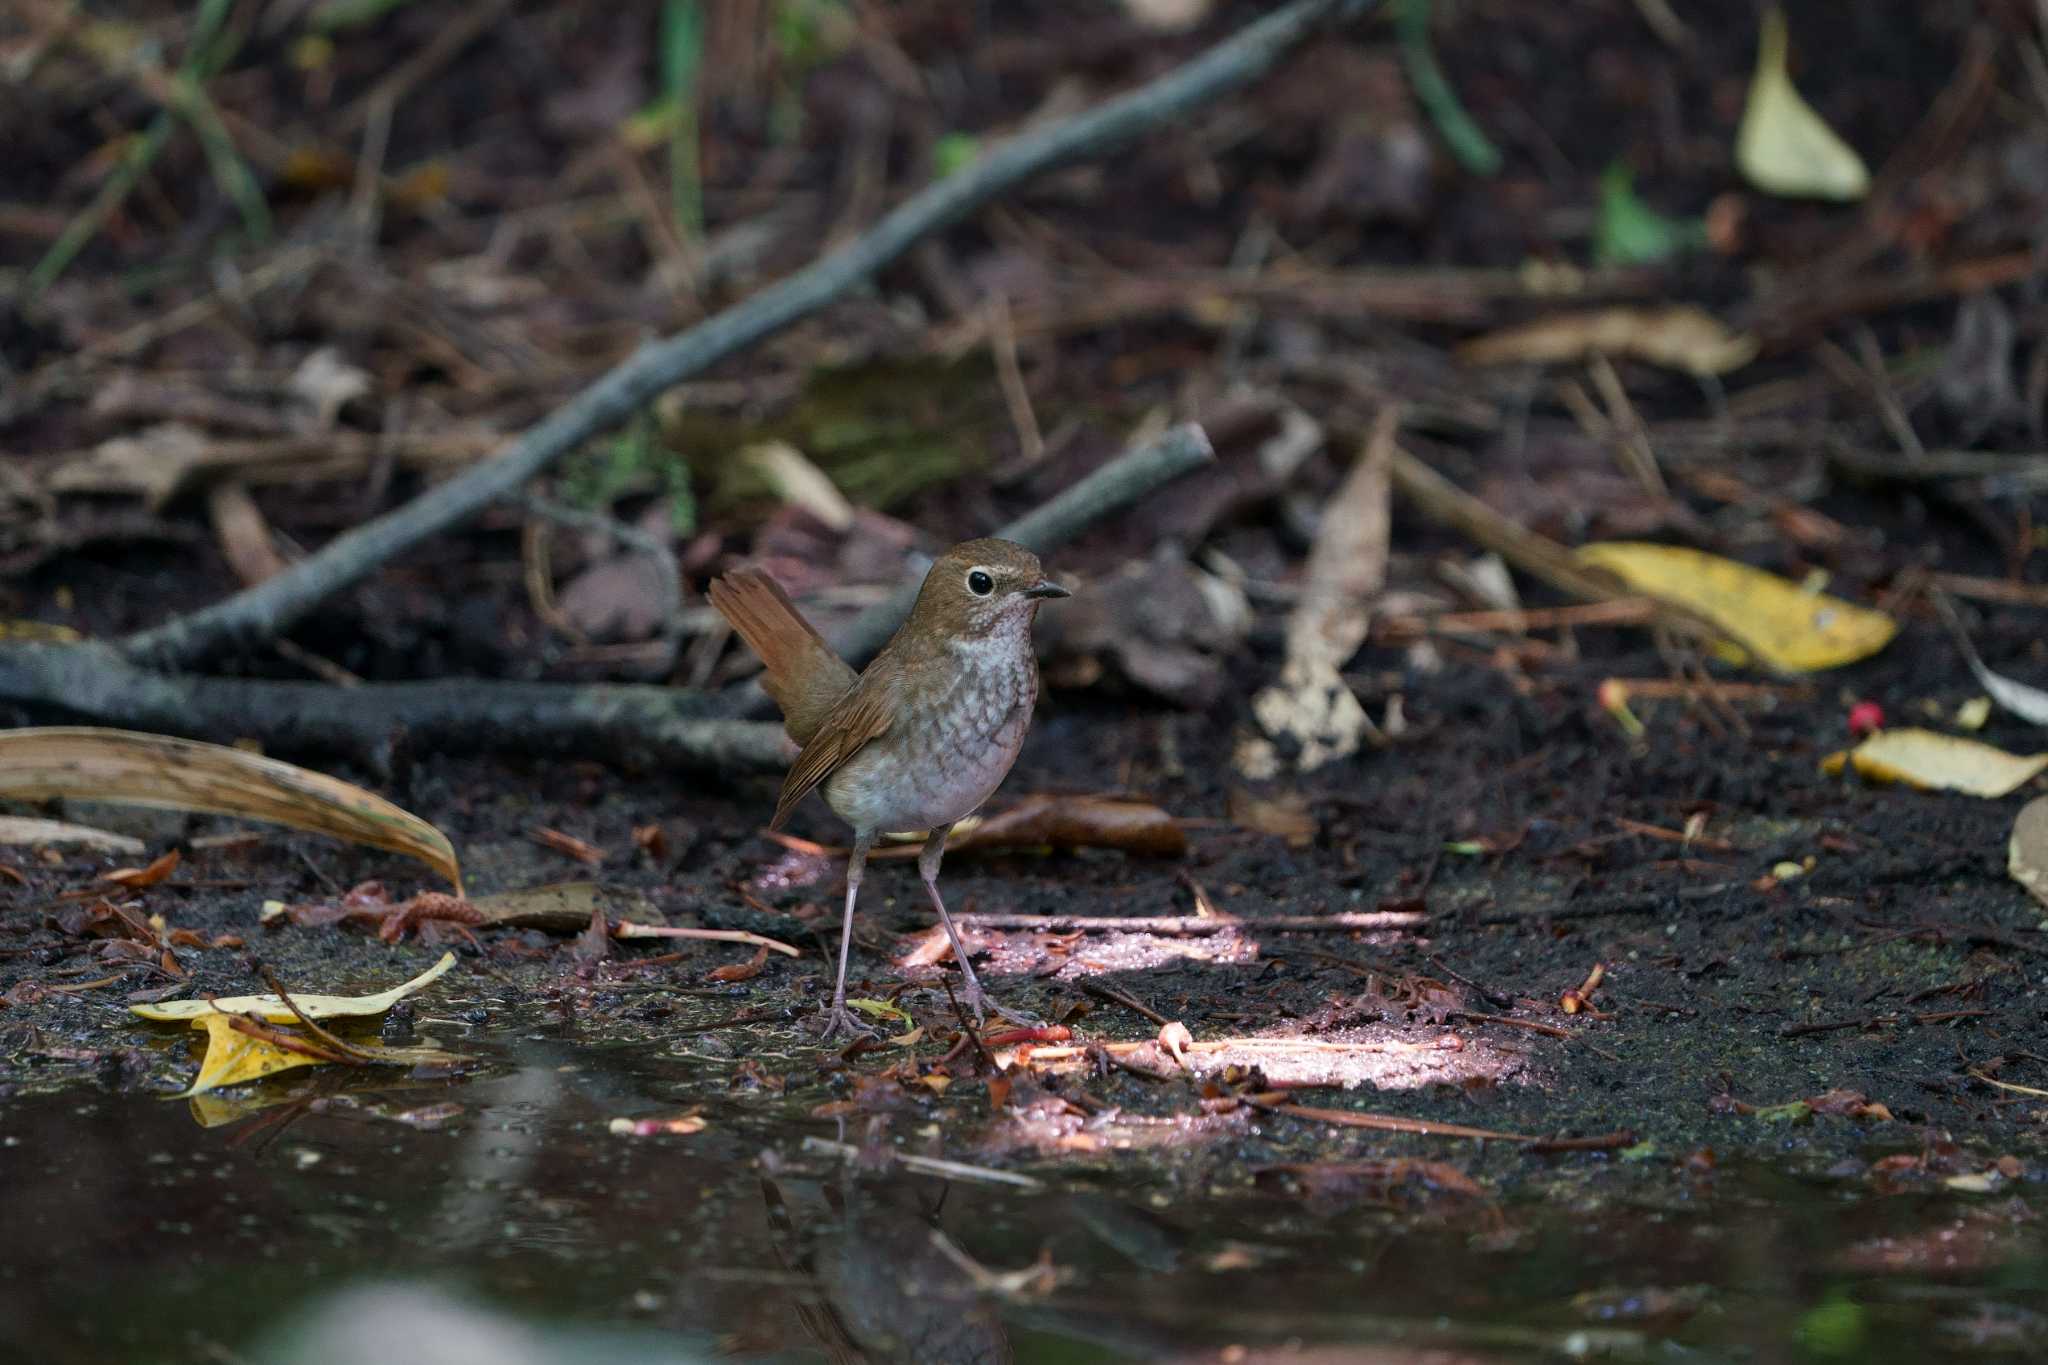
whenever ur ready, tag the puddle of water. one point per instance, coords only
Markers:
(503, 1215)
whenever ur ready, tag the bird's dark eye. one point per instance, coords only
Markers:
(980, 584)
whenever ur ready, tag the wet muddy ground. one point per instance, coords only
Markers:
(1685, 1195)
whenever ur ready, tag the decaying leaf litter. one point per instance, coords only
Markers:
(1567, 896)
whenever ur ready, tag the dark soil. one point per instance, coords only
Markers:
(1814, 938)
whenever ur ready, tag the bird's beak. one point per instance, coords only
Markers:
(1045, 588)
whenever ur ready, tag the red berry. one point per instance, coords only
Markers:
(1866, 717)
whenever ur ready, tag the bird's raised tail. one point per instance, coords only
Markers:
(802, 673)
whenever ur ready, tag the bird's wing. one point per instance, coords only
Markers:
(863, 713)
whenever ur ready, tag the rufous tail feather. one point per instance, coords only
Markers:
(801, 672)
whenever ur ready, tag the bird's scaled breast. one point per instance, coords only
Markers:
(944, 754)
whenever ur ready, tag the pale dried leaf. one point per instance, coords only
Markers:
(1680, 337)
(1312, 704)
(797, 481)
(24, 831)
(1783, 146)
(1938, 762)
(275, 1011)
(2027, 854)
(326, 383)
(130, 768)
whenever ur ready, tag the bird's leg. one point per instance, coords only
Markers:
(838, 1019)
(977, 999)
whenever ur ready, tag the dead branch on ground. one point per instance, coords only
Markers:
(275, 605)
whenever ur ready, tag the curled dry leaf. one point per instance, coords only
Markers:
(1781, 623)
(742, 971)
(1936, 762)
(582, 851)
(1311, 710)
(1783, 147)
(1680, 337)
(275, 1011)
(1176, 1039)
(136, 878)
(2027, 854)
(129, 768)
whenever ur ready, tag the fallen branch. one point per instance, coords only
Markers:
(634, 725)
(1194, 926)
(275, 605)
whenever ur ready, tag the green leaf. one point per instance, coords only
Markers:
(954, 152)
(1630, 232)
(1467, 141)
(1834, 1327)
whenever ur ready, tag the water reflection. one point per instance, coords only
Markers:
(499, 1218)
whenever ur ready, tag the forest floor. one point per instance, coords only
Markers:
(1800, 1110)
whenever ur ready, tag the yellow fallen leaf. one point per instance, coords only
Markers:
(1937, 762)
(1783, 147)
(880, 1009)
(2026, 857)
(234, 1058)
(1789, 627)
(130, 768)
(274, 1010)
(1680, 337)
(237, 1058)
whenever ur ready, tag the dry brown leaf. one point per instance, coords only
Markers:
(135, 878)
(126, 767)
(1287, 816)
(743, 971)
(569, 844)
(244, 534)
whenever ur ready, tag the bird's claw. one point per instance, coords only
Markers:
(982, 1006)
(836, 1021)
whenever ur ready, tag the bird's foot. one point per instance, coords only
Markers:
(837, 1021)
(982, 1005)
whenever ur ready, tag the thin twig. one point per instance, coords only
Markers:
(348, 1050)
(282, 601)
(670, 603)
(927, 1165)
(711, 935)
(1117, 997)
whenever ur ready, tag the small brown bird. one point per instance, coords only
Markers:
(925, 734)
